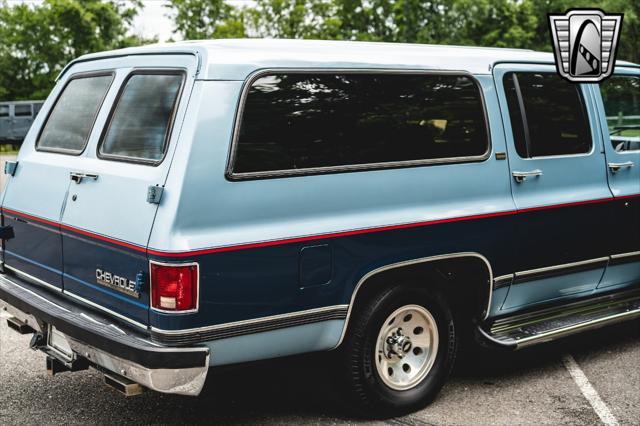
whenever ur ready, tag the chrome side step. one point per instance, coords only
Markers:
(549, 324)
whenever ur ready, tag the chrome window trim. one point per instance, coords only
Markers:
(370, 274)
(175, 264)
(76, 76)
(170, 125)
(248, 83)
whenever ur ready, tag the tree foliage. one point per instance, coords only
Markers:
(38, 40)
(500, 23)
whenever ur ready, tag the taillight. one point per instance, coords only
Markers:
(174, 287)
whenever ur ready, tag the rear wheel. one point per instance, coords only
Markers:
(398, 352)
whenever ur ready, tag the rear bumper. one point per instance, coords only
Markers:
(109, 346)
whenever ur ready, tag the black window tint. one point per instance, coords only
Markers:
(4, 110)
(71, 120)
(555, 120)
(142, 118)
(37, 108)
(621, 97)
(22, 110)
(515, 115)
(300, 121)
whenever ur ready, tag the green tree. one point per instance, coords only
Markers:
(203, 19)
(38, 40)
(501, 23)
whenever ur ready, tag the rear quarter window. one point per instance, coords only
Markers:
(141, 121)
(70, 122)
(301, 123)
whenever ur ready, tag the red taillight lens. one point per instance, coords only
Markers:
(174, 287)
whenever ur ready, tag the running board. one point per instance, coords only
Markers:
(549, 324)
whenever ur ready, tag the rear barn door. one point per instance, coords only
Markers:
(108, 218)
(34, 197)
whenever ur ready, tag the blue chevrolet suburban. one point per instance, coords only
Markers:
(180, 207)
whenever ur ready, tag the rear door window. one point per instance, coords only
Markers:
(70, 122)
(141, 121)
(300, 122)
(547, 115)
(4, 110)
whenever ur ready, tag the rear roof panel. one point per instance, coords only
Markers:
(235, 59)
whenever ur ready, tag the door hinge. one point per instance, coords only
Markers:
(154, 194)
(10, 167)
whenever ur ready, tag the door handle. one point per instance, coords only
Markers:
(616, 167)
(78, 176)
(522, 176)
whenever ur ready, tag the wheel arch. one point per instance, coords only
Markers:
(432, 261)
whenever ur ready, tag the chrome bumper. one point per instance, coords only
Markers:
(103, 344)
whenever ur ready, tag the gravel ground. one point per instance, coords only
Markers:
(527, 387)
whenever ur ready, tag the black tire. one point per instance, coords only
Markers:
(368, 396)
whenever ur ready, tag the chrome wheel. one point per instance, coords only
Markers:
(406, 347)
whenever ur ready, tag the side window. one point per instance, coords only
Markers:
(69, 124)
(141, 121)
(293, 123)
(4, 110)
(547, 114)
(22, 110)
(621, 98)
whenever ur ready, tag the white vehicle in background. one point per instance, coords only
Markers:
(16, 118)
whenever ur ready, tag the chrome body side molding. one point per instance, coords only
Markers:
(240, 328)
(566, 268)
(32, 279)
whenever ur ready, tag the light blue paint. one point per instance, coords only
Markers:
(236, 59)
(315, 337)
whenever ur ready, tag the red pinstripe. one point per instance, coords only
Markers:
(332, 235)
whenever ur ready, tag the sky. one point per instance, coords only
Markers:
(151, 21)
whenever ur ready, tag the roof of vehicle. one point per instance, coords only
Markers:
(235, 59)
(20, 102)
